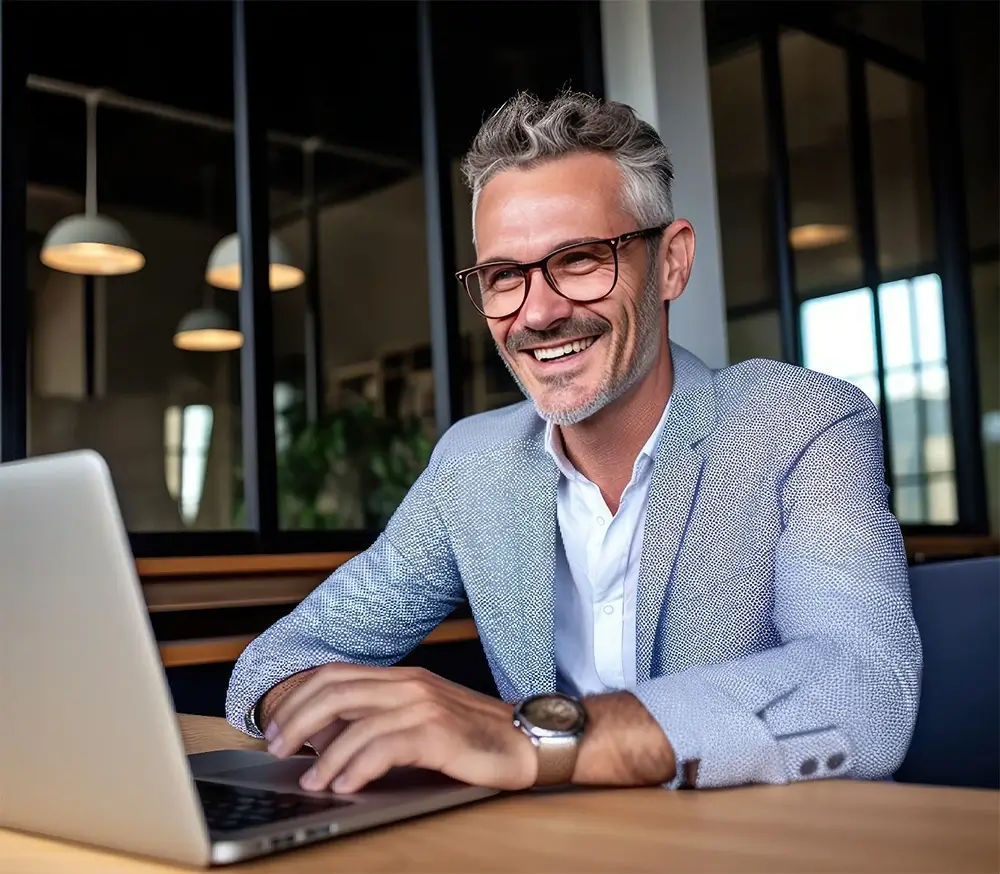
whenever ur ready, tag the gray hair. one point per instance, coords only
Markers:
(527, 131)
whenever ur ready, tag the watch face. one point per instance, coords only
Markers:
(554, 713)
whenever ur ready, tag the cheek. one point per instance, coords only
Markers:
(499, 332)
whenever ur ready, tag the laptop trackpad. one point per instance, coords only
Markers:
(284, 774)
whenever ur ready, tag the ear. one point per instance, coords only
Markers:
(676, 254)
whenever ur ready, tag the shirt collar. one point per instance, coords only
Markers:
(554, 446)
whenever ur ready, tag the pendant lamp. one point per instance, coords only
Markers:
(91, 244)
(224, 269)
(812, 227)
(207, 330)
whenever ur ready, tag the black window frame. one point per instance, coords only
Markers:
(761, 25)
(262, 534)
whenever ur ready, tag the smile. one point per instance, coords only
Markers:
(555, 352)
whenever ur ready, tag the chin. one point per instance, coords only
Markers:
(566, 414)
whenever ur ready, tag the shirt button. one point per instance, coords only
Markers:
(609, 609)
(600, 520)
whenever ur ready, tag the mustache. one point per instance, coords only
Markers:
(588, 326)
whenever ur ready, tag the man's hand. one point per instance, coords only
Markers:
(365, 720)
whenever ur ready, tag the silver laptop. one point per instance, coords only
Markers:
(90, 747)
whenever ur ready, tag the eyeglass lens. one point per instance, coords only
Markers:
(581, 273)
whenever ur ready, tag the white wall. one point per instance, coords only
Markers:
(655, 60)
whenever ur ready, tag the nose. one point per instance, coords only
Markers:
(544, 306)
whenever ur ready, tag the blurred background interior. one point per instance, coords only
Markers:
(856, 183)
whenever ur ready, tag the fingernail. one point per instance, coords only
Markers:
(309, 780)
(272, 731)
(341, 784)
(277, 746)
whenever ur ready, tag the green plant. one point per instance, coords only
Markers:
(349, 469)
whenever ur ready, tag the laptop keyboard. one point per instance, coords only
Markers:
(230, 808)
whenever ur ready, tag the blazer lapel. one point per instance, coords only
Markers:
(673, 491)
(532, 563)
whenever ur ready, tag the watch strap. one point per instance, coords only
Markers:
(556, 760)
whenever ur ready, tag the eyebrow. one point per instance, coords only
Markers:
(507, 259)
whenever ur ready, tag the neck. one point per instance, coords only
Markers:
(604, 446)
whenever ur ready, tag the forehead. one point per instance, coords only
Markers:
(524, 213)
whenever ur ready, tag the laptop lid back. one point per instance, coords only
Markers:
(90, 748)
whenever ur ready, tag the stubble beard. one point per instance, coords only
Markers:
(620, 378)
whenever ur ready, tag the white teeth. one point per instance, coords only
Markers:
(560, 351)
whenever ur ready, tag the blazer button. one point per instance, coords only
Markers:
(835, 761)
(808, 767)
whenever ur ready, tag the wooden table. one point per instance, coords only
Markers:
(819, 826)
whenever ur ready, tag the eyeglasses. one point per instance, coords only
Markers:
(582, 272)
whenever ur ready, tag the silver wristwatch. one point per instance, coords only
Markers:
(555, 725)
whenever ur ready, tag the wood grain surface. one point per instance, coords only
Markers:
(828, 826)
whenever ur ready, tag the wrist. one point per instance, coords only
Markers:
(624, 745)
(265, 708)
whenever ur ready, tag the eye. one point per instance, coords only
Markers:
(582, 259)
(502, 278)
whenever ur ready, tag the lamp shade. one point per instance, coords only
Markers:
(224, 265)
(818, 235)
(207, 330)
(91, 245)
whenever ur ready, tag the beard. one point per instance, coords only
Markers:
(622, 375)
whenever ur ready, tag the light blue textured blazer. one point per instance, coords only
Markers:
(775, 637)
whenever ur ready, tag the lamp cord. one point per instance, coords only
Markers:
(90, 197)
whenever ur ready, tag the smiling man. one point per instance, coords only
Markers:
(680, 576)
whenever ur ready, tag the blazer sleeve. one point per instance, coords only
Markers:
(838, 697)
(372, 610)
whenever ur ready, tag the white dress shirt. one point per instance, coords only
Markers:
(597, 573)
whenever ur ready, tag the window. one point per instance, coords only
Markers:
(838, 337)
(347, 206)
(140, 132)
(187, 436)
(823, 232)
(340, 152)
(978, 97)
(480, 66)
(745, 211)
(840, 246)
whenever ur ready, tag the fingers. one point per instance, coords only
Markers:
(389, 751)
(368, 748)
(319, 679)
(327, 705)
(348, 695)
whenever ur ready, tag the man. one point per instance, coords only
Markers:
(701, 564)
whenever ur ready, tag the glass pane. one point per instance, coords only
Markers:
(897, 329)
(908, 502)
(917, 382)
(939, 451)
(838, 338)
(905, 425)
(754, 336)
(977, 91)
(912, 321)
(743, 183)
(823, 237)
(105, 372)
(897, 23)
(481, 65)
(986, 302)
(904, 212)
(346, 176)
(930, 318)
(942, 501)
